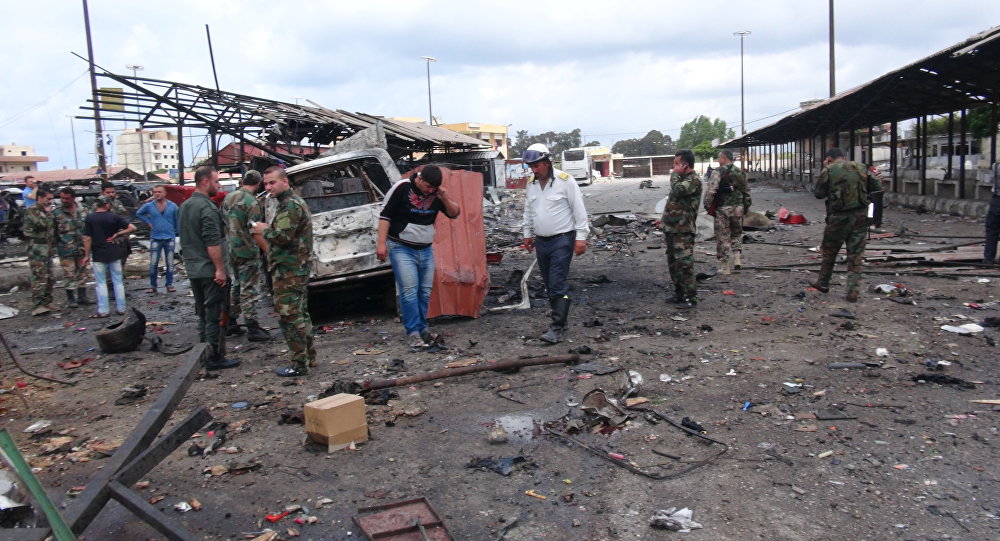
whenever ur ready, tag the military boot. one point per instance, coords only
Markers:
(725, 267)
(71, 299)
(81, 296)
(218, 361)
(234, 329)
(40, 310)
(560, 312)
(738, 260)
(255, 333)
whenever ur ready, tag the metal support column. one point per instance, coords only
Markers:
(852, 142)
(923, 155)
(961, 156)
(180, 153)
(894, 155)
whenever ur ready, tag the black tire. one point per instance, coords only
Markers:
(123, 336)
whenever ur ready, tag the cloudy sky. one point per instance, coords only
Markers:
(613, 69)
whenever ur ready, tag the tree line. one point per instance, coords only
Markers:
(697, 135)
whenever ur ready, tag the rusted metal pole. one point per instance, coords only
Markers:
(13, 357)
(461, 371)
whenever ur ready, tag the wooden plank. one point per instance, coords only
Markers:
(90, 502)
(149, 514)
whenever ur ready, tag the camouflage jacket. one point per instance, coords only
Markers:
(117, 207)
(846, 186)
(39, 225)
(734, 193)
(290, 237)
(681, 211)
(240, 207)
(69, 230)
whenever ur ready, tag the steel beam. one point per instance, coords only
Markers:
(149, 514)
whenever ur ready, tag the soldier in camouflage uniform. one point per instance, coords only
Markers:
(289, 240)
(40, 230)
(727, 187)
(679, 228)
(847, 187)
(69, 217)
(240, 208)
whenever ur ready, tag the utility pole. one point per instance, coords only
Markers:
(743, 127)
(102, 162)
(833, 79)
(72, 132)
(430, 110)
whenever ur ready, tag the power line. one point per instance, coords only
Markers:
(35, 107)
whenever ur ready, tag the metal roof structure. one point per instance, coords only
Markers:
(963, 76)
(259, 122)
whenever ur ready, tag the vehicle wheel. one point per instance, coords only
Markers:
(123, 336)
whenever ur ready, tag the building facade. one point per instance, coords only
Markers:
(147, 150)
(16, 158)
(492, 134)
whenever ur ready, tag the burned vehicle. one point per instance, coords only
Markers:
(344, 194)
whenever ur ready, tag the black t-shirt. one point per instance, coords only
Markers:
(411, 215)
(99, 226)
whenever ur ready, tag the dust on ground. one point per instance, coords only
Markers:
(750, 364)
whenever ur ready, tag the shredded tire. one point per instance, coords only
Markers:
(123, 336)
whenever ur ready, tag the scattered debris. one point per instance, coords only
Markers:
(131, 394)
(943, 379)
(502, 465)
(675, 520)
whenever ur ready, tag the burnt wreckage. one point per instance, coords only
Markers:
(343, 186)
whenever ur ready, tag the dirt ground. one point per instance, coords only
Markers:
(914, 461)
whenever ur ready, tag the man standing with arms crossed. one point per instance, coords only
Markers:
(40, 230)
(161, 215)
(847, 187)
(240, 208)
(679, 228)
(555, 223)
(69, 217)
(203, 236)
(289, 254)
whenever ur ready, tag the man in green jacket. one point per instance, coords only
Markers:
(203, 238)
(289, 240)
(40, 230)
(679, 227)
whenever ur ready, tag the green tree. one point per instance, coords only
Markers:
(705, 150)
(555, 141)
(593, 144)
(977, 123)
(701, 130)
(653, 143)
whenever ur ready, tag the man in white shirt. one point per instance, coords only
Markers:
(555, 222)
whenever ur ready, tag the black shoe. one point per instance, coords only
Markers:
(291, 371)
(220, 364)
(818, 287)
(71, 299)
(81, 296)
(687, 304)
(257, 334)
(235, 330)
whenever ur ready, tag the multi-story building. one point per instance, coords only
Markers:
(16, 158)
(493, 134)
(147, 150)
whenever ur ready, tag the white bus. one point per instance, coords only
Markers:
(579, 163)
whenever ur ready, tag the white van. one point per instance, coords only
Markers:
(579, 163)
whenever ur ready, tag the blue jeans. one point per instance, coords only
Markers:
(414, 270)
(155, 247)
(101, 278)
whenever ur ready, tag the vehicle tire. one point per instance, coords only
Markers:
(123, 336)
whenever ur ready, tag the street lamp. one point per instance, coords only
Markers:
(72, 131)
(742, 34)
(430, 110)
(142, 146)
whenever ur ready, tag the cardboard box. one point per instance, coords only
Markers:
(337, 420)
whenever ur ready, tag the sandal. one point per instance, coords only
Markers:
(152, 290)
(171, 289)
(99, 316)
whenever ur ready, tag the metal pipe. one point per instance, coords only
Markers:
(13, 357)
(211, 56)
(461, 371)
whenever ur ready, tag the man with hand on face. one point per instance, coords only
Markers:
(405, 236)
(679, 228)
(556, 225)
(289, 253)
(203, 237)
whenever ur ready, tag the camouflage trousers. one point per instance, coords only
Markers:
(246, 290)
(728, 233)
(40, 263)
(680, 261)
(74, 271)
(844, 227)
(291, 302)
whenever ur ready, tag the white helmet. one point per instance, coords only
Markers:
(535, 153)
